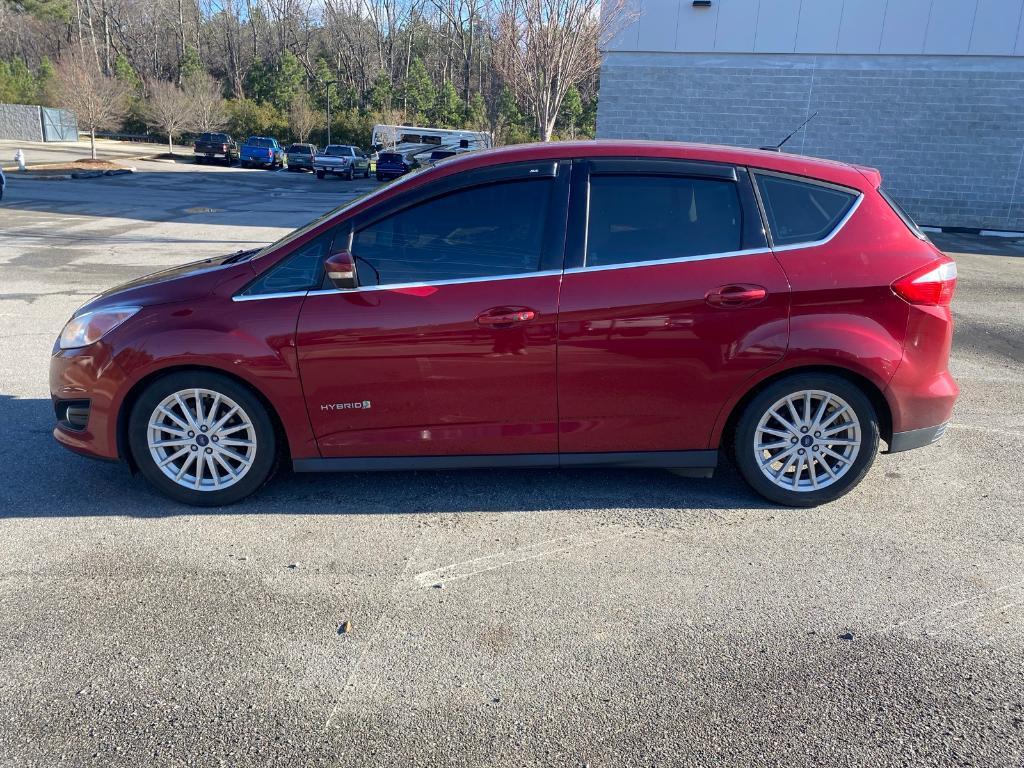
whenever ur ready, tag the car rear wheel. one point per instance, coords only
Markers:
(202, 439)
(807, 439)
(350, 174)
(320, 174)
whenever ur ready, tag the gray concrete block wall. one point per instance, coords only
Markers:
(947, 133)
(20, 122)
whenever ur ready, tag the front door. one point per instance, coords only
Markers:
(448, 345)
(672, 302)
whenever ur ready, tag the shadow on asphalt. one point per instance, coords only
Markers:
(952, 242)
(39, 478)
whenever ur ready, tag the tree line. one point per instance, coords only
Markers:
(522, 69)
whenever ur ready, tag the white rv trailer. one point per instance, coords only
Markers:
(417, 142)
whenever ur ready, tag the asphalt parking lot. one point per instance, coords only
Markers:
(497, 618)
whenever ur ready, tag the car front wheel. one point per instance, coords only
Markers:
(807, 439)
(202, 438)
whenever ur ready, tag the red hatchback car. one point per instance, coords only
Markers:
(584, 304)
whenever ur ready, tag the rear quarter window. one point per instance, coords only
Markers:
(904, 216)
(802, 211)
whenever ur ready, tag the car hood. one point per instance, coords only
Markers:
(188, 281)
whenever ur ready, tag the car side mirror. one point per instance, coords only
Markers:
(341, 270)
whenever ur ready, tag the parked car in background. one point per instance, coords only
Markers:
(391, 165)
(210, 146)
(3, 183)
(342, 160)
(698, 302)
(300, 157)
(262, 150)
(440, 154)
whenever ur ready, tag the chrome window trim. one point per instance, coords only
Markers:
(673, 260)
(858, 199)
(432, 283)
(257, 296)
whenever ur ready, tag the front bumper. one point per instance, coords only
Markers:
(85, 385)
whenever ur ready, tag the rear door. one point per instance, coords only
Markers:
(670, 302)
(448, 345)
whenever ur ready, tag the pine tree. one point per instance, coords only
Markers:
(447, 111)
(418, 91)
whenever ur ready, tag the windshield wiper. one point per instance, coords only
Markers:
(239, 255)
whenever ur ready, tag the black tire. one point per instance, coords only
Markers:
(320, 174)
(199, 160)
(747, 425)
(263, 464)
(366, 173)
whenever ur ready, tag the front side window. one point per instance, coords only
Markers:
(650, 218)
(485, 231)
(300, 271)
(802, 211)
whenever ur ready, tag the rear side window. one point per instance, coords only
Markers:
(911, 224)
(648, 218)
(300, 271)
(802, 211)
(488, 231)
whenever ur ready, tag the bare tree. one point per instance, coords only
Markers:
(169, 109)
(301, 117)
(543, 47)
(99, 102)
(206, 103)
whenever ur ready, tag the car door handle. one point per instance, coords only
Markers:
(739, 295)
(505, 316)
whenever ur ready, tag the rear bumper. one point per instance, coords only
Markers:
(916, 438)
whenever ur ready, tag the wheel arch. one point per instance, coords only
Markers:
(727, 427)
(132, 396)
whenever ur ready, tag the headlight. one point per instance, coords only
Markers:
(90, 327)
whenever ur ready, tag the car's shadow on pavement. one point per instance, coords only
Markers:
(39, 478)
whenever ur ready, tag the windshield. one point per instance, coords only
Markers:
(257, 142)
(337, 151)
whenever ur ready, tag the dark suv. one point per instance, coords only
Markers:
(391, 165)
(210, 146)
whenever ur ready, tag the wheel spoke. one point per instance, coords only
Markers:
(184, 466)
(167, 460)
(232, 455)
(834, 455)
(792, 411)
(200, 463)
(774, 432)
(223, 419)
(822, 406)
(169, 414)
(187, 413)
(779, 418)
(835, 415)
(199, 406)
(812, 472)
(787, 465)
(168, 443)
(801, 460)
(768, 446)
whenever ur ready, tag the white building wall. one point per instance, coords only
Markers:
(924, 27)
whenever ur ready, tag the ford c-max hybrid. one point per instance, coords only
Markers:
(581, 304)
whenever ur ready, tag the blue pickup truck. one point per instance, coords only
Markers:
(262, 151)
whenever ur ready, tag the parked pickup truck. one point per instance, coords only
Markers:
(210, 146)
(262, 150)
(341, 160)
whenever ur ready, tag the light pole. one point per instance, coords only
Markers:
(328, 85)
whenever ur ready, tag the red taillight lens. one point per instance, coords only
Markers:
(933, 284)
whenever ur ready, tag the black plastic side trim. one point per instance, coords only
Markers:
(646, 459)
(916, 438)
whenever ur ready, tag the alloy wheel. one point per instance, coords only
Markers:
(201, 439)
(807, 440)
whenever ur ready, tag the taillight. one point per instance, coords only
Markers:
(932, 284)
(223, 147)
